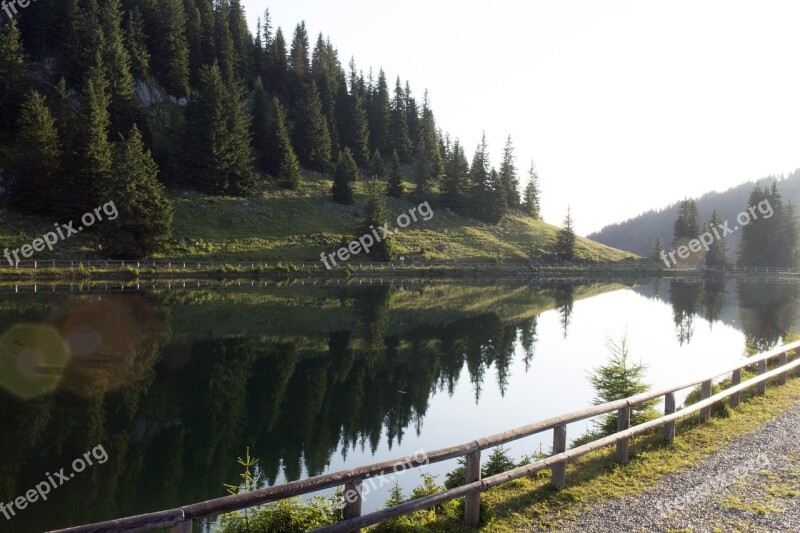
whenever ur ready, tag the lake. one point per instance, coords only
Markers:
(177, 382)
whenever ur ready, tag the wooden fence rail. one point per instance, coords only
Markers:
(181, 519)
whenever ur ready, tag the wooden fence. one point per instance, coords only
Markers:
(181, 520)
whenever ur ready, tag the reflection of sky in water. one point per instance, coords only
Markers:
(557, 381)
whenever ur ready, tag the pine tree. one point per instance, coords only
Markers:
(620, 379)
(217, 137)
(456, 183)
(136, 44)
(480, 181)
(313, 137)
(377, 169)
(144, 223)
(123, 107)
(396, 177)
(656, 254)
(288, 176)
(717, 254)
(687, 223)
(35, 185)
(299, 57)
(399, 134)
(380, 115)
(84, 37)
(346, 172)
(565, 239)
(171, 57)
(94, 148)
(533, 195)
(278, 67)
(508, 175)
(376, 215)
(13, 77)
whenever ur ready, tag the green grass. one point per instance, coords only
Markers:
(279, 225)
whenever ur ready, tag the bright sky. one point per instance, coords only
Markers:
(623, 105)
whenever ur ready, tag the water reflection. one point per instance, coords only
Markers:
(177, 384)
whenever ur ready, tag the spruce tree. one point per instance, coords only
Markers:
(377, 169)
(717, 254)
(508, 175)
(264, 141)
(380, 115)
(361, 133)
(299, 56)
(123, 107)
(687, 223)
(288, 176)
(428, 148)
(13, 77)
(658, 250)
(171, 57)
(565, 239)
(136, 45)
(243, 44)
(479, 181)
(346, 172)
(94, 148)
(497, 205)
(376, 215)
(278, 67)
(84, 37)
(456, 183)
(396, 177)
(144, 224)
(399, 134)
(533, 195)
(35, 184)
(217, 137)
(225, 49)
(313, 137)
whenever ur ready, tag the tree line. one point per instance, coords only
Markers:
(768, 226)
(259, 108)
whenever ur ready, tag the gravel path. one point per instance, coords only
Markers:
(751, 485)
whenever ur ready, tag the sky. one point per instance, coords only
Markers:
(624, 106)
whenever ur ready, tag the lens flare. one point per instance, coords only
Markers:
(32, 360)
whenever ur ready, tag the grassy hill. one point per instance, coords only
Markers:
(298, 225)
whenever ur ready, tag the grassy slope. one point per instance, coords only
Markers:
(299, 225)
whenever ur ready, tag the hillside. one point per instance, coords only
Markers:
(638, 234)
(277, 225)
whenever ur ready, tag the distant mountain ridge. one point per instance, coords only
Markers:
(638, 234)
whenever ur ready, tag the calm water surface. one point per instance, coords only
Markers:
(176, 384)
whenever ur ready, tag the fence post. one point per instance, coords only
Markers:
(705, 393)
(623, 423)
(559, 470)
(762, 369)
(669, 408)
(736, 378)
(782, 360)
(472, 502)
(352, 499)
(183, 527)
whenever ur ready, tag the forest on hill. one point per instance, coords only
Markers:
(127, 100)
(638, 234)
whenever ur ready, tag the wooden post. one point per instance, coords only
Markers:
(705, 393)
(783, 359)
(623, 423)
(559, 470)
(762, 369)
(183, 527)
(736, 379)
(669, 408)
(472, 502)
(352, 500)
